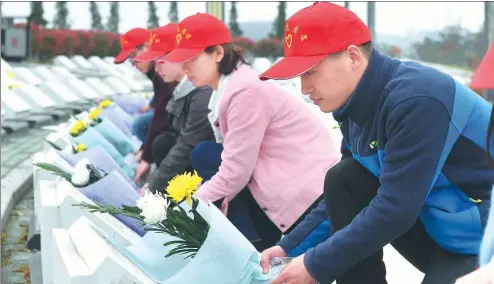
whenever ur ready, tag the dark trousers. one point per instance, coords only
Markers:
(162, 145)
(243, 211)
(348, 189)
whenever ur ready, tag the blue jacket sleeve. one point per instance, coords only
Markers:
(315, 228)
(345, 152)
(305, 229)
(416, 131)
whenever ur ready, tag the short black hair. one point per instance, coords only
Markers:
(367, 48)
(233, 55)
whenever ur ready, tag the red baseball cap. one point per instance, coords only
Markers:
(161, 41)
(194, 34)
(314, 32)
(482, 78)
(129, 41)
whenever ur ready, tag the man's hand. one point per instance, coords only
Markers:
(268, 254)
(479, 276)
(145, 108)
(142, 169)
(295, 273)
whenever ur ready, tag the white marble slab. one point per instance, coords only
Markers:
(13, 102)
(36, 95)
(25, 75)
(99, 86)
(64, 61)
(103, 263)
(84, 89)
(62, 91)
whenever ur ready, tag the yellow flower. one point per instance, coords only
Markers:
(80, 147)
(105, 103)
(94, 113)
(77, 128)
(183, 187)
(10, 73)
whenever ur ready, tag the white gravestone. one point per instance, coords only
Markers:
(61, 91)
(63, 61)
(103, 262)
(117, 84)
(100, 86)
(63, 72)
(34, 94)
(57, 211)
(25, 75)
(84, 89)
(45, 73)
(13, 102)
(81, 61)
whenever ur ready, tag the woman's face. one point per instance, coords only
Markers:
(144, 67)
(169, 71)
(203, 69)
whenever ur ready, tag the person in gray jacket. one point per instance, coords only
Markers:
(187, 115)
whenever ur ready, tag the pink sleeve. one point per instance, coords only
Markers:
(248, 117)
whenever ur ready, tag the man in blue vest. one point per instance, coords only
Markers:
(414, 172)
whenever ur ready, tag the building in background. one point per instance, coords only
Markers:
(14, 40)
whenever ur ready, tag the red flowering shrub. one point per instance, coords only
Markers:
(48, 43)
(269, 47)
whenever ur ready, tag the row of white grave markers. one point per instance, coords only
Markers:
(65, 246)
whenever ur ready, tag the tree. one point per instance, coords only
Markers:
(279, 23)
(153, 20)
(234, 27)
(96, 21)
(37, 14)
(114, 19)
(61, 19)
(451, 46)
(173, 12)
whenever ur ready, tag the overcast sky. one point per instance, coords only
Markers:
(396, 18)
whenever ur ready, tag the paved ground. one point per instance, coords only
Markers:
(16, 148)
(15, 255)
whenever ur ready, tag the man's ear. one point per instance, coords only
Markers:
(355, 55)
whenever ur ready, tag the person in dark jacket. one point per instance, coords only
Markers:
(187, 109)
(153, 119)
(414, 172)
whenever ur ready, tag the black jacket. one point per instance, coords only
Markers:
(188, 120)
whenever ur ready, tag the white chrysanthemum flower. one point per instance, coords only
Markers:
(81, 174)
(153, 207)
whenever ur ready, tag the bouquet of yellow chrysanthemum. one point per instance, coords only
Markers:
(105, 103)
(78, 127)
(165, 213)
(93, 116)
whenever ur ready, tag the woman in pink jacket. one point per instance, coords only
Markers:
(272, 152)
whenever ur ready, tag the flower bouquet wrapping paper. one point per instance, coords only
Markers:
(99, 158)
(92, 138)
(131, 104)
(225, 257)
(114, 190)
(187, 241)
(115, 136)
(119, 117)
